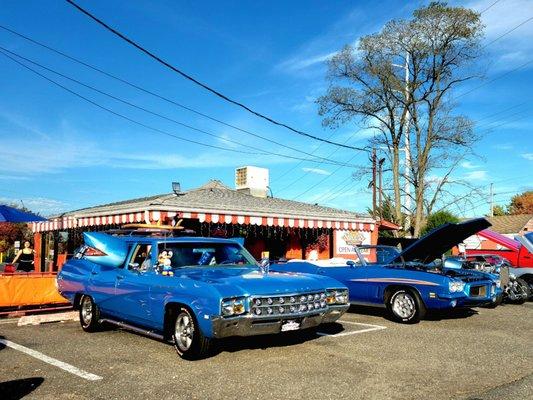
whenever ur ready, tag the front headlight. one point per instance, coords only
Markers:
(337, 296)
(456, 286)
(233, 306)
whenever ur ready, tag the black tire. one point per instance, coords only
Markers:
(191, 344)
(405, 306)
(89, 314)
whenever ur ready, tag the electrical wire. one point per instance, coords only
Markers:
(121, 115)
(263, 151)
(159, 96)
(201, 84)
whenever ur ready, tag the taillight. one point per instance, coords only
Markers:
(92, 252)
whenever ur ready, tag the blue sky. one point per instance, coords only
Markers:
(59, 153)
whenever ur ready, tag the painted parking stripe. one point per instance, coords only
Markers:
(52, 361)
(370, 329)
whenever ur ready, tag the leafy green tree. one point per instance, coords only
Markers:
(498, 211)
(437, 219)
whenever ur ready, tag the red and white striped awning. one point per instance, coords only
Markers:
(69, 222)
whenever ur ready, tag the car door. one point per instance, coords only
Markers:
(132, 287)
(354, 276)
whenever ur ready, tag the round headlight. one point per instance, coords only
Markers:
(257, 302)
(302, 298)
(257, 311)
(281, 310)
(293, 309)
(292, 299)
(303, 307)
(270, 301)
(281, 300)
(269, 310)
(310, 297)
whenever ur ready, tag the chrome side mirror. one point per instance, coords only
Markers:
(351, 263)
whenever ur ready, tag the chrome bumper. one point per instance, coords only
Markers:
(247, 325)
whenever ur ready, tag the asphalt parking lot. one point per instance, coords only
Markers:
(467, 354)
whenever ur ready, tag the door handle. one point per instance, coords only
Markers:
(94, 272)
(120, 277)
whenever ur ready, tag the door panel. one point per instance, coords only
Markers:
(354, 277)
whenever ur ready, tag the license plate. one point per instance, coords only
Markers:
(290, 326)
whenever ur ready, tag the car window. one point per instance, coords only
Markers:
(141, 258)
(378, 255)
(177, 255)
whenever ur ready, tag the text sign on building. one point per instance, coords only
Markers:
(345, 241)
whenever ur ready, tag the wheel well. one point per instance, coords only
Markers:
(76, 302)
(170, 314)
(389, 290)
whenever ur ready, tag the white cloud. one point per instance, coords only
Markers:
(317, 171)
(298, 63)
(469, 165)
(41, 205)
(527, 156)
(476, 175)
(503, 146)
(515, 47)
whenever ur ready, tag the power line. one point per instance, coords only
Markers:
(201, 84)
(507, 32)
(489, 7)
(161, 97)
(121, 115)
(262, 151)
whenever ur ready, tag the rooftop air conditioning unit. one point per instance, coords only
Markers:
(253, 180)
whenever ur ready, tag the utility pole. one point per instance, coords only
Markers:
(407, 143)
(491, 200)
(380, 174)
(374, 182)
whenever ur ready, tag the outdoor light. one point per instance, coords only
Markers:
(176, 187)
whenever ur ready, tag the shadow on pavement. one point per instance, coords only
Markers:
(234, 344)
(431, 315)
(18, 388)
(2, 346)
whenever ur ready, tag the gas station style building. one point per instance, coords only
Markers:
(269, 226)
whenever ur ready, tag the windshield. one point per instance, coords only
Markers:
(177, 255)
(374, 255)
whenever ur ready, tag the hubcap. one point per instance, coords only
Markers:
(403, 305)
(87, 310)
(184, 331)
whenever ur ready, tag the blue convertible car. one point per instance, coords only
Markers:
(408, 283)
(191, 290)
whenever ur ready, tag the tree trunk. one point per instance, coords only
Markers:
(396, 185)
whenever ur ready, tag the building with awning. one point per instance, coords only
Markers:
(277, 227)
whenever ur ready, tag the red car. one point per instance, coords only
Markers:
(518, 251)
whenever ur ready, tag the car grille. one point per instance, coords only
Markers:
(288, 305)
(478, 291)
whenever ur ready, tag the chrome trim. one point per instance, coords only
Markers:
(129, 327)
(247, 325)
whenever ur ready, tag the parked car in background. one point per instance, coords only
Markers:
(411, 281)
(515, 290)
(191, 290)
(518, 251)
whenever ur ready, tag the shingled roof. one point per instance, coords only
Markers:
(214, 196)
(509, 224)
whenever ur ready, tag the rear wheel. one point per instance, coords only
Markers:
(405, 306)
(189, 341)
(89, 314)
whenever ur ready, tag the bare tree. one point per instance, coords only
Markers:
(400, 81)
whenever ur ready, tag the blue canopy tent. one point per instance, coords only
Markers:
(11, 214)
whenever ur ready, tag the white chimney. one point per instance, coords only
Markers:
(253, 180)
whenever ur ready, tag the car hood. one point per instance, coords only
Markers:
(440, 240)
(231, 281)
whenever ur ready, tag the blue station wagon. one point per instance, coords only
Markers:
(410, 282)
(191, 291)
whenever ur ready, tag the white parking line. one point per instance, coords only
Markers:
(52, 361)
(371, 329)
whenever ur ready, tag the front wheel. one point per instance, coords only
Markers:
(523, 290)
(89, 314)
(406, 307)
(189, 341)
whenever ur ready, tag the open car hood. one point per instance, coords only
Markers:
(440, 240)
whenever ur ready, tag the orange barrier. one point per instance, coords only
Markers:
(20, 289)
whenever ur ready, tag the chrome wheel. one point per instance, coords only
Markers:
(403, 305)
(184, 331)
(87, 310)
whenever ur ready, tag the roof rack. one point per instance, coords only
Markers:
(152, 230)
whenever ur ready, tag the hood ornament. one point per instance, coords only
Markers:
(265, 265)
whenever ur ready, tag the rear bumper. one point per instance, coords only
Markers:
(249, 326)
